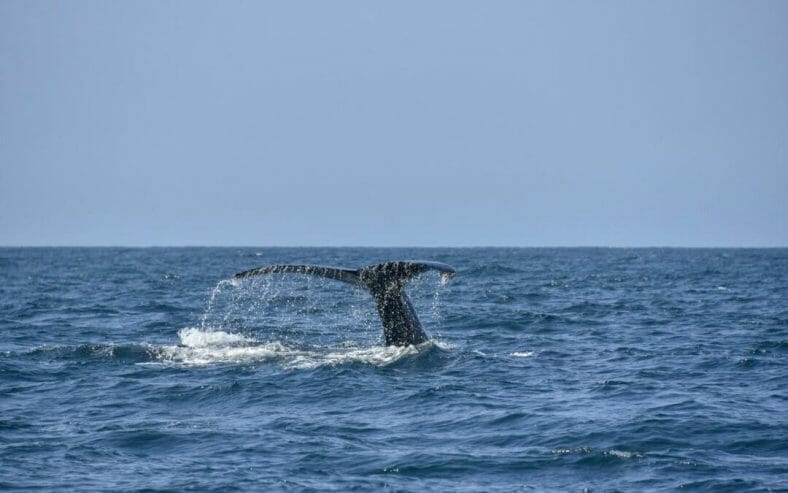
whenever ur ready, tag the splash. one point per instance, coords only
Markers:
(302, 310)
(201, 348)
(214, 293)
(194, 337)
(296, 321)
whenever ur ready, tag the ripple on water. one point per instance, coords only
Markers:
(551, 370)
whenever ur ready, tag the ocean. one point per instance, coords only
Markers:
(549, 369)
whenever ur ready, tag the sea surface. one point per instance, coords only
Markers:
(578, 369)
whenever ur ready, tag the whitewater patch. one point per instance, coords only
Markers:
(374, 355)
(201, 347)
(522, 354)
(623, 454)
(194, 337)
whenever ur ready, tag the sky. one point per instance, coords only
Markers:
(408, 123)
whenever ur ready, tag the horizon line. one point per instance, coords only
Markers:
(410, 246)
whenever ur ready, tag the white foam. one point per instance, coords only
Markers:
(205, 347)
(374, 355)
(201, 356)
(622, 454)
(522, 354)
(194, 337)
(445, 345)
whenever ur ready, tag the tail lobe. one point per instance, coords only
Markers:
(385, 282)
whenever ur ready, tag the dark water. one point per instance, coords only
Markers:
(550, 369)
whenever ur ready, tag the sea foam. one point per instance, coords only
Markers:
(205, 347)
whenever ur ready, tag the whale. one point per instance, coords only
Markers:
(385, 282)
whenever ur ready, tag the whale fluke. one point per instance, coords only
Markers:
(346, 275)
(385, 282)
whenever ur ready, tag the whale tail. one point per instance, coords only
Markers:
(385, 282)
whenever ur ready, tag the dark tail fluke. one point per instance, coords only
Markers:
(385, 282)
(346, 275)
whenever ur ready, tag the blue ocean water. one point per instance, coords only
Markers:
(549, 369)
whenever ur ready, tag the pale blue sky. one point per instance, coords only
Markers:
(398, 123)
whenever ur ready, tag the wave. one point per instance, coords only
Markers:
(492, 268)
(124, 353)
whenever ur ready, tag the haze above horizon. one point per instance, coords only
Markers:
(344, 123)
